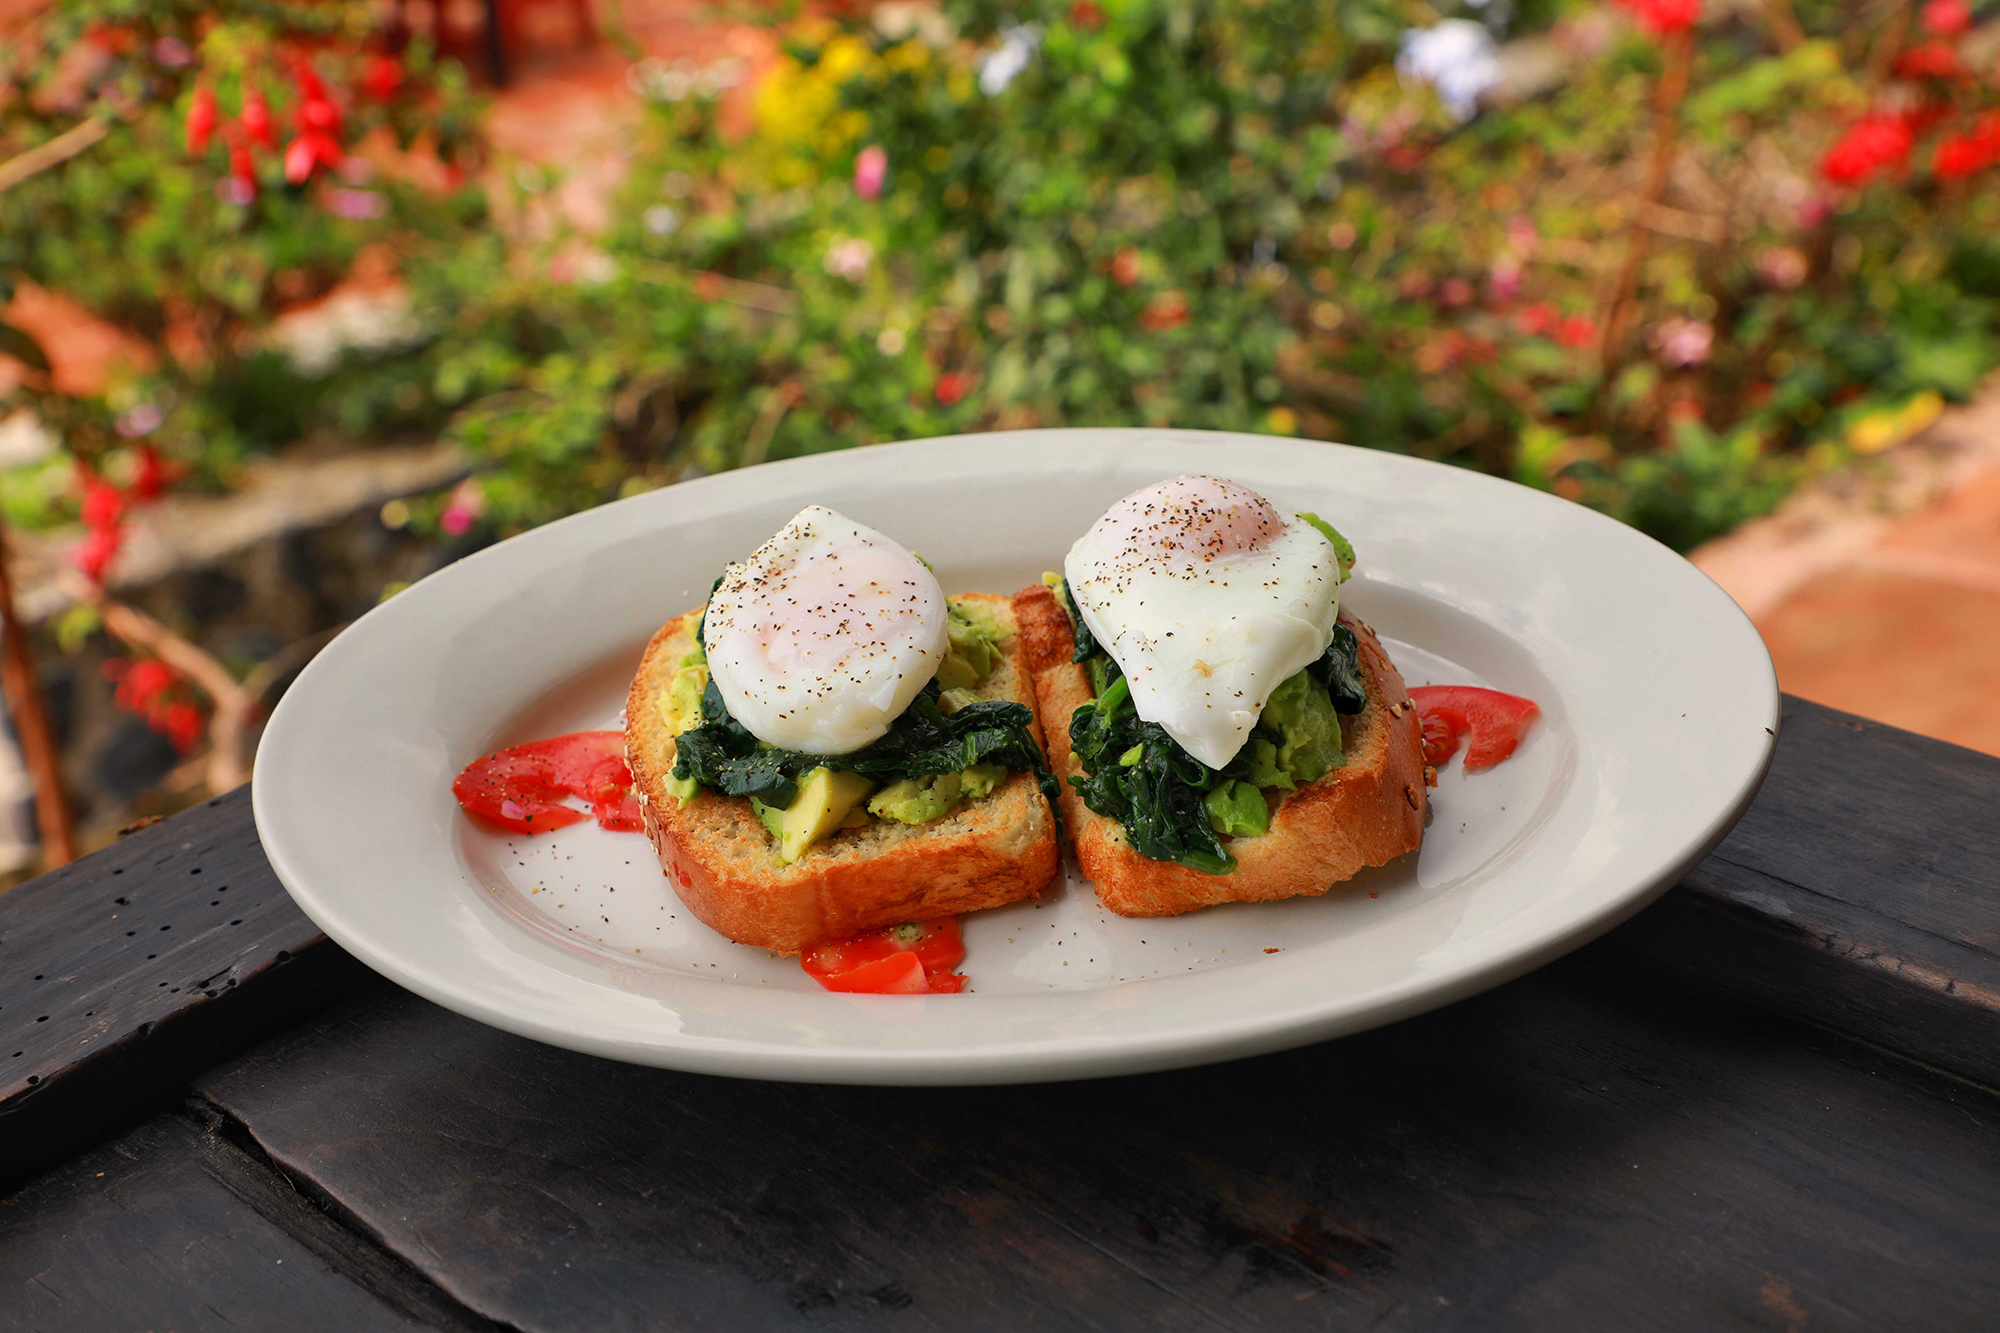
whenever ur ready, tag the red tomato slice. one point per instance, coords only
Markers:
(937, 947)
(1495, 722)
(897, 974)
(522, 789)
(1440, 741)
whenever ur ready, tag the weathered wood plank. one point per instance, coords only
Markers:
(140, 1234)
(1597, 1145)
(124, 974)
(1862, 891)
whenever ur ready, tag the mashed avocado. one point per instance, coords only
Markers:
(1302, 711)
(680, 707)
(1237, 809)
(920, 800)
(975, 645)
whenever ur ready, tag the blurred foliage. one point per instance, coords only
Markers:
(195, 250)
(1227, 214)
(1238, 216)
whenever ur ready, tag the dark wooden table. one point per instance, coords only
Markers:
(1768, 1102)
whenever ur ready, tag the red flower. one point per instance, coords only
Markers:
(1869, 145)
(319, 115)
(1665, 16)
(1168, 310)
(309, 152)
(1577, 331)
(951, 387)
(382, 76)
(200, 121)
(1932, 59)
(1963, 154)
(257, 119)
(1086, 14)
(182, 723)
(103, 504)
(243, 167)
(1125, 266)
(142, 683)
(1947, 18)
(94, 553)
(308, 79)
(1537, 319)
(299, 160)
(150, 478)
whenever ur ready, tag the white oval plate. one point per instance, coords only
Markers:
(1659, 708)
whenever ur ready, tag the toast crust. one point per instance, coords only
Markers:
(1366, 812)
(999, 849)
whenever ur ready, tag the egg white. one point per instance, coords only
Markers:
(824, 635)
(1208, 599)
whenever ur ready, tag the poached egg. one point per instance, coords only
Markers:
(1208, 600)
(823, 636)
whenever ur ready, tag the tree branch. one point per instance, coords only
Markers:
(234, 705)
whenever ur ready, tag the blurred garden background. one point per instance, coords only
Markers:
(302, 299)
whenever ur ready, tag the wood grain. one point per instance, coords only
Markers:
(1595, 1146)
(141, 1234)
(1608, 1141)
(124, 974)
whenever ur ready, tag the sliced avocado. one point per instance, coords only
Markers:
(1302, 711)
(684, 789)
(917, 800)
(825, 799)
(680, 702)
(952, 700)
(1237, 809)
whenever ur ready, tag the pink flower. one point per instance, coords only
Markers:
(1684, 342)
(356, 205)
(466, 504)
(871, 167)
(1782, 266)
(849, 258)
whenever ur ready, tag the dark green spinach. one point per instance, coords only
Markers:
(723, 756)
(1086, 642)
(1140, 776)
(1339, 669)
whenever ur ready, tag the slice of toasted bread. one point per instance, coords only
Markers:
(984, 853)
(1365, 812)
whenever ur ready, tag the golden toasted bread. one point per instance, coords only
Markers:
(1365, 812)
(983, 853)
